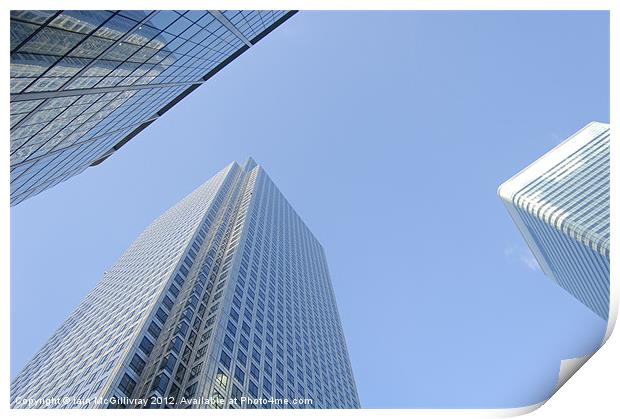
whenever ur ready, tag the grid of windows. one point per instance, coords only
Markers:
(81, 357)
(569, 235)
(226, 297)
(84, 82)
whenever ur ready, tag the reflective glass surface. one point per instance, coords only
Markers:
(82, 81)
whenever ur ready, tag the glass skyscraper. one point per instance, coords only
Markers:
(83, 83)
(560, 204)
(223, 301)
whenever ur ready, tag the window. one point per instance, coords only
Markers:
(256, 355)
(225, 359)
(267, 367)
(167, 302)
(253, 388)
(239, 375)
(187, 353)
(137, 364)
(228, 343)
(146, 346)
(161, 383)
(169, 363)
(180, 373)
(182, 328)
(254, 372)
(127, 385)
(191, 390)
(244, 342)
(218, 400)
(174, 392)
(161, 315)
(195, 371)
(236, 393)
(266, 385)
(241, 357)
(201, 351)
(173, 290)
(221, 378)
(154, 330)
(257, 341)
(192, 338)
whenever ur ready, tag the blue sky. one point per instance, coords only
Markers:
(389, 133)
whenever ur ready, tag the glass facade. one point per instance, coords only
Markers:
(225, 301)
(83, 83)
(561, 205)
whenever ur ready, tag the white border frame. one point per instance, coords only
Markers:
(592, 393)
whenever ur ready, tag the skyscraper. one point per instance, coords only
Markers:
(226, 296)
(560, 203)
(83, 83)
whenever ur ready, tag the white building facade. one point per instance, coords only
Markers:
(560, 203)
(224, 301)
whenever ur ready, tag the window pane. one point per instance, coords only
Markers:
(20, 31)
(82, 21)
(34, 16)
(52, 41)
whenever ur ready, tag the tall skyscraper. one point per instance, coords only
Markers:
(226, 296)
(83, 83)
(560, 204)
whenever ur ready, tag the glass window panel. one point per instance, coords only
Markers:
(82, 21)
(42, 115)
(21, 154)
(68, 66)
(195, 15)
(135, 14)
(139, 70)
(48, 145)
(91, 47)
(191, 31)
(46, 84)
(34, 16)
(163, 19)
(200, 37)
(143, 54)
(206, 20)
(93, 98)
(83, 82)
(115, 28)
(142, 35)
(128, 81)
(15, 118)
(121, 51)
(184, 48)
(101, 68)
(29, 65)
(59, 102)
(19, 84)
(25, 106)
(20, 31)
(159, 58)
(230, 14)
(159, 41)
(174, 44)
(26, 131)
(109, 81)
(178, 27)
(52, 41)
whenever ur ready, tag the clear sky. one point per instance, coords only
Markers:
(389, 133)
